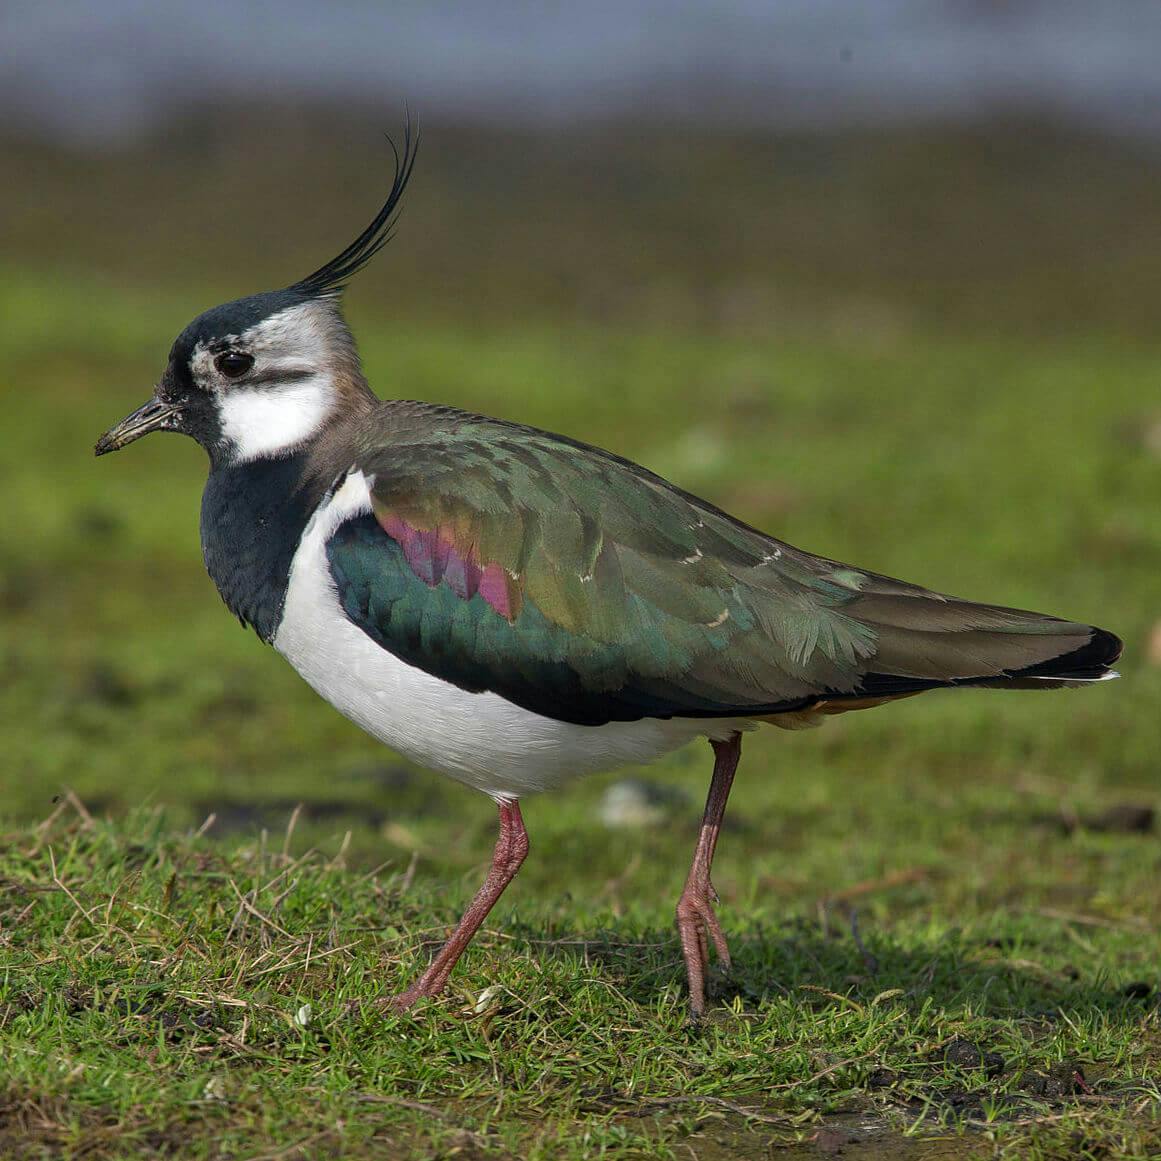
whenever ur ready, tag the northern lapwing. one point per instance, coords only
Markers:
(516, 608)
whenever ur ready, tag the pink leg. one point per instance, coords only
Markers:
(695, 913)
(511, 847)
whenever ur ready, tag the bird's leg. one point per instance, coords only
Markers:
(511, 847)
(695, 913)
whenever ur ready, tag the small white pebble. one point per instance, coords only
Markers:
(637, 802)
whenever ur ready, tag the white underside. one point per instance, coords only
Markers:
(480, 739)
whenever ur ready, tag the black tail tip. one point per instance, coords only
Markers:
(1091, 660)
(1109, 643)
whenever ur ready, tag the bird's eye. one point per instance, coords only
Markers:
(234, 364)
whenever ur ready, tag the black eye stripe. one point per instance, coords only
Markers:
(275, 376)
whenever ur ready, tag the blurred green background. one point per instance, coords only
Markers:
(929, 350)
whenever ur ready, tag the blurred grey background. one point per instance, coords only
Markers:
(885, 164)
(115, 69)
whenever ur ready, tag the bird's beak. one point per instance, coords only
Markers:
(152, 416)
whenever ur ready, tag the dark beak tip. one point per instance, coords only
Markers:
(111, 441)
(153, 415)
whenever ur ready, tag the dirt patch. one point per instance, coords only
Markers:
(851, 1136)
(138, 1016)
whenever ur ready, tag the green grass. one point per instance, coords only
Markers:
(151, 971)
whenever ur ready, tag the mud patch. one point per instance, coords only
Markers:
(726, 1136)
(134, 1017)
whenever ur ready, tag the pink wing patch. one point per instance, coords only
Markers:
(434, 557)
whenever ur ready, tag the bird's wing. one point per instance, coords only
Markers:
(579, 586)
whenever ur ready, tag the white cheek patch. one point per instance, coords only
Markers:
(290, 393)
(268, 422)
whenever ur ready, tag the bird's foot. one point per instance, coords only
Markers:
(697, 927)
(429, 984)
(400, 1003)
(385, 1006)
(394, 1005)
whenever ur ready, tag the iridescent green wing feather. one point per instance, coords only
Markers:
(584, 588)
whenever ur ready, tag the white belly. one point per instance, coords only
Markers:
(478, 738)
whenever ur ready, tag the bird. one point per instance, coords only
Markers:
(515, 608)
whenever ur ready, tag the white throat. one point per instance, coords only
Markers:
(272, 421)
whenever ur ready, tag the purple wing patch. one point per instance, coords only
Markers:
(433, 557)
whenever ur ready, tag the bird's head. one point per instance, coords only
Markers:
(262, 376)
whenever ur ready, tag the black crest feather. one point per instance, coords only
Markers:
(333, 277)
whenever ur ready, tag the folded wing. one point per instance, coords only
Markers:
(582, 587)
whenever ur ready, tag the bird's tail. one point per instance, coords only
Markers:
(925, 640)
